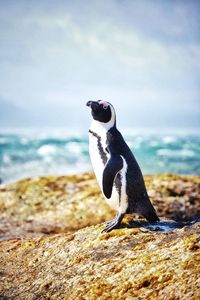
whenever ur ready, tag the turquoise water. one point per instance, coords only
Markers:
(29, 153)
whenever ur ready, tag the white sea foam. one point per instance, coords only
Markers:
(6, 159)
(26, 154)
(175, 153)
(73, 147)
(46, 149)
(169, 139)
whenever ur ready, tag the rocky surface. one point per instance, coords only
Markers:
(46, 205)
(44, 253)
(123, 264)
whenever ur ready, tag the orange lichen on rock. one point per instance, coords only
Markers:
(44, 253)
(127, 264)
(54, 204)
(47, 205)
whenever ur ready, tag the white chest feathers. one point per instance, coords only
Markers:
(99, 157)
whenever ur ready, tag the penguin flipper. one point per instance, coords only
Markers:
(113, 166)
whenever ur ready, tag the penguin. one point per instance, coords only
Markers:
(117, 171)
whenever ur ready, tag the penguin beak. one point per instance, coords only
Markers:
(93, 104)
(89, 103)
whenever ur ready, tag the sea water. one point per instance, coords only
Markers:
(27, 153)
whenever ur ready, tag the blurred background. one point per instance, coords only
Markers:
(142, 56)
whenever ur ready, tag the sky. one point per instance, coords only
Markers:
(142, 56)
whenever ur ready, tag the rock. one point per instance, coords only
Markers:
(55, 204)
(122, 264)
(47, 205)
(44, 253)
(175, 197)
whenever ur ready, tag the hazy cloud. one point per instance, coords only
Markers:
(145, 54)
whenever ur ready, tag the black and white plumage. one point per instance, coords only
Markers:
(116, 169)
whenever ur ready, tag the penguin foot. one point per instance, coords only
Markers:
(111, 227)
(108, 223)
(113, 224)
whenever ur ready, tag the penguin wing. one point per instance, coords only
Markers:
(113, 166)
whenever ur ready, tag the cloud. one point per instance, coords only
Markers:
(54, 55)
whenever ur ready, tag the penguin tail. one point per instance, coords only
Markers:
(146, 209)
(152, 217)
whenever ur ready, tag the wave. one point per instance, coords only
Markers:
(25, 154)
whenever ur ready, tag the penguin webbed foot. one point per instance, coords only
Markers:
(108, 223)
(113, 224)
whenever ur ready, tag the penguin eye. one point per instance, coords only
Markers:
(105, 106)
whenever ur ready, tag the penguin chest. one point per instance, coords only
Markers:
(98, 155)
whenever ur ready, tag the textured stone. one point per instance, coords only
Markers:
(122, 264)
(45, 255)
(48, 205)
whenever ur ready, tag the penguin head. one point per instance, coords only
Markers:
(102, 111)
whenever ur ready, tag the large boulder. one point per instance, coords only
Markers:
(51, 247)
(129, 263)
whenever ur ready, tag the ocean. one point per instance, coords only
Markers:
(31, 152)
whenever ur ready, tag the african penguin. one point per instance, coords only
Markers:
(116, 169)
